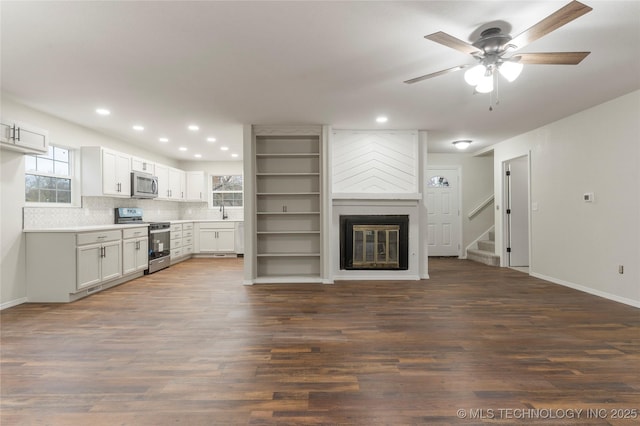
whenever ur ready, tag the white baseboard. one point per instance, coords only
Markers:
(603, 294)
(13, 303)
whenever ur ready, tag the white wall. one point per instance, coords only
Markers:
(476, 186)
(575, 243)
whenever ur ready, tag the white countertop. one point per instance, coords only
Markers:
(88, 228)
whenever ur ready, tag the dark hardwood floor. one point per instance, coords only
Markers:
(192, 346)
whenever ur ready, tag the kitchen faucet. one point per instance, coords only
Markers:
(224, 215)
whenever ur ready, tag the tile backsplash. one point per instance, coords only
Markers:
(100, 211)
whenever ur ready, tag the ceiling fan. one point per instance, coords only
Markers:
(493, 45)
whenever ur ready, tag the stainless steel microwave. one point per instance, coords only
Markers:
(143, 185)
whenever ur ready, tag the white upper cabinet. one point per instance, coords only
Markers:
(142, 165)
(196, 186)
(105, 172)
(177, 184)
(23, 137)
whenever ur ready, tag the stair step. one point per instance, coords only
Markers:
(482, 256)
(485, 245)
(492, 236)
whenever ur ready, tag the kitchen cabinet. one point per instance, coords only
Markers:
(105, 172)
(215, 237)
(142, 165)
(181, 241)
(99, 257)
(135, 250)
(23, 137)
(162, 173)
(197, 186)
(176, 184)
(66, 265)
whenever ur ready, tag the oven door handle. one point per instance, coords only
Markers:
(158, 231)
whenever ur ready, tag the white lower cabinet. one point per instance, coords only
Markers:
(135, 250)
(99, 257)
(68, 265)
(216, 237)
(181, 241)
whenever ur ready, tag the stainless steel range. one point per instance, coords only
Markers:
(159, 237)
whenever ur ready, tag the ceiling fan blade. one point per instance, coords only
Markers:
(452, 42)
(560, 17)
(435, 74)
(551, 58)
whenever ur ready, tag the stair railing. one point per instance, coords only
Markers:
(481, 207)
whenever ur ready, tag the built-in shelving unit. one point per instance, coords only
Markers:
(288, 206)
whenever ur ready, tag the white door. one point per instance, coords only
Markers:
(517, 211)
(443, 214)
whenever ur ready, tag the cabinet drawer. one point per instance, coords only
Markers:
(218, 225)
(186, 226)
(187, 233)
(134, 232)
(176, 227)
(176, 235)
(98, 237)
(187, 242)
(176, 253)
(187, 250)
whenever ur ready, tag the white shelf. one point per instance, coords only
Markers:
(288, 255)
(288, 174)
(286, 232)
(287, 213)
(267, 194)
(292, 155)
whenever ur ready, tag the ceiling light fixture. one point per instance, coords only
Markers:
(193, 128)
(183, 148)
(224, 148)
(462, 144)
(163, 139)
(103, 111)
(138, 128)
(197, 155)
(234, 155)
(211, 139)
(382, 119)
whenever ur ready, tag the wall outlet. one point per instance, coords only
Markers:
(621, 269)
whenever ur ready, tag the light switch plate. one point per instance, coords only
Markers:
(588, 197)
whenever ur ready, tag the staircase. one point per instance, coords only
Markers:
(485, 252)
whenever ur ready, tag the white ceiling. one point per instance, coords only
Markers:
(223, 64)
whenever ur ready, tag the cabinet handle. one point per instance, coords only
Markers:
(13, 133)
(137, 245)
(17, 132)
(103, 252)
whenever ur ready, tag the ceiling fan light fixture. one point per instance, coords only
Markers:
(485, 85)
(462, 144)
(474, 74)
(510, 70)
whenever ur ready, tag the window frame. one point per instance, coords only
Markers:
(74, 187)
(213, 192)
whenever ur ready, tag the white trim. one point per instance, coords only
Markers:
(376, 277)
(589, 290)
(375, 196)
(13, 303)
(481, 206)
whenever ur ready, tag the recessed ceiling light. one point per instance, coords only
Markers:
(163, 139)
(183, 148)
(103, 111)
(193, 128)
(197, 155)
(224, 148)
(211, 139)
(381, 119)
(138, 128)
(234, 155)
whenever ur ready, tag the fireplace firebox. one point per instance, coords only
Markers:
(374, 242)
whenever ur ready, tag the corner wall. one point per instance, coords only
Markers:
(575, 243)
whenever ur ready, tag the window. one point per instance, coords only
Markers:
(438, 182)
(227, 190)
(48, 176)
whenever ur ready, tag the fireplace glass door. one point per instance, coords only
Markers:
(375, 246)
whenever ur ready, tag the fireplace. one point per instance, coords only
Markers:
(378, 242)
